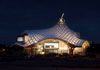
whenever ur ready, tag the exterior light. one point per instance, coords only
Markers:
(35, 41)
(42, 53)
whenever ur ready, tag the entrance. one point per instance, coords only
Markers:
(52, 46)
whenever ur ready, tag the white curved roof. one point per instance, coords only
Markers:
(60, 31)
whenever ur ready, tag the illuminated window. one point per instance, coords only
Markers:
(20, 39)
(51, 45)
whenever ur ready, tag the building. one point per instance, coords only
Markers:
(57, 39)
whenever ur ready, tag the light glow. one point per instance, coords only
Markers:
(26, 38)
(20, 39)
(50, 45)
(64, 48)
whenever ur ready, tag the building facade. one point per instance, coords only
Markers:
(58, 39)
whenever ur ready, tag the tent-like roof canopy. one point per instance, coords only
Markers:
(59, 31)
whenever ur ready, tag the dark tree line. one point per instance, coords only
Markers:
(94, 50)
(6, 50)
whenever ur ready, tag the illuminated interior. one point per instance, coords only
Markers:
(26, 38)
(52, 46)
(78, 50)
(20, 39)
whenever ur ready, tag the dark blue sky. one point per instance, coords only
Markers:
(82, 16)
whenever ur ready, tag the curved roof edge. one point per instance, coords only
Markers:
(60, 31)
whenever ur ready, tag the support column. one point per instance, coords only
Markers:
(71, 50)
(31, 50)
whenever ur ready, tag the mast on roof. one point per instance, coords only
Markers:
(61, 21)
(62, 15)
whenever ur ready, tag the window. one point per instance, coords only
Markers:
(20, 39)
(51, 45)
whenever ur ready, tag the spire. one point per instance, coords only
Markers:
(62, 15)
(61, 21)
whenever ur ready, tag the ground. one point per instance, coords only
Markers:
(50, 64)
(47, 68)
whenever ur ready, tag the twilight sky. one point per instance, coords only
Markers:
(81, 16)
